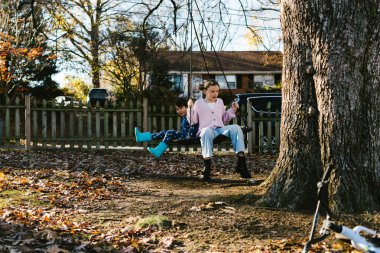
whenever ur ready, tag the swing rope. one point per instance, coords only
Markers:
(219, 138)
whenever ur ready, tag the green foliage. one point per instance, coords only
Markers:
(267, 88)
(77, 88)
(129, 95)
(160, 74)
(47, 90)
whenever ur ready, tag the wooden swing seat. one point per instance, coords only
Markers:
(197, 140)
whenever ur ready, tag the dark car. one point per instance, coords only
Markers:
(100, 95)
(266, 104)
(261, 102)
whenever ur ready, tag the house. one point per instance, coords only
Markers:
(244, 70)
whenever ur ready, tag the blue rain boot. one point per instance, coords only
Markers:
(159, 150)
(141, 137)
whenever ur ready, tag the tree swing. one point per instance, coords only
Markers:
(220, 138)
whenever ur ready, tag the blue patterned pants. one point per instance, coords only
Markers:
(168, 135)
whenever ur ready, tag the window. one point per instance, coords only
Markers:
(231, 79)
(195, 82)
(264, 80)
(177, 81)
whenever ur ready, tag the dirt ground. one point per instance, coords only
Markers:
(127, 201)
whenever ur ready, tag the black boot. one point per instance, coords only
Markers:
(242, 167)
(206, 170)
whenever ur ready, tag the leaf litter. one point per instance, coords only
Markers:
(93, 201)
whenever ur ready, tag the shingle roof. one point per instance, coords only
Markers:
(236, 61)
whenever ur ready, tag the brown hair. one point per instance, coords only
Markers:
(207, 83)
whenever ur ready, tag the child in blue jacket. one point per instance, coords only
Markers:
(168, 136)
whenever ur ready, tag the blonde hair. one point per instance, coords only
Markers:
(207, 83)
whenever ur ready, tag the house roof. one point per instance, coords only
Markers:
(231, 61)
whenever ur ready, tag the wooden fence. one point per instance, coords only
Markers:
(44, 124)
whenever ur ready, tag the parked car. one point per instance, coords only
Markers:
(100, 95)
(67, 100)
(266, 104)
(261, 101)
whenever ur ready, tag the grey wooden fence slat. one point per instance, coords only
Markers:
(154, 119)
(114, 125)
(277, 130)
(106, 124)
(139, 119)
(261, 132)
(97, 125)
(80, 124)
(163, 111)
(269, 131)
(250, 135)
(89, 125)
(17, 122)
(131, 116)
(170, 123)
(62, 126)
(123, 123)
(35, 123)
(71, 124)
(44, 123)
(28, 130)
(7, 122)
(145, 118)
(53, 126)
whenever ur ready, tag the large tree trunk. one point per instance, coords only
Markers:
(331, 101)
(95, 68)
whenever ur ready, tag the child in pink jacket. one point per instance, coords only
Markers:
(213, 120)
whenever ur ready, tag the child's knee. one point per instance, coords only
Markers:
(207, 132)
(234, 128)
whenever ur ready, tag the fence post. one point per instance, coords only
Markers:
(249, 123)
(145, 118)
(28, 129)
(7, 121)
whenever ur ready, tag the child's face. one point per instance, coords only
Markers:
(181, 111)
(212, 93)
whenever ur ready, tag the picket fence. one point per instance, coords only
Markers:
(44, 124)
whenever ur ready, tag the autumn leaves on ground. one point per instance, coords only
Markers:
(126, 201)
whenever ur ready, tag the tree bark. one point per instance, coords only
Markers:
(331, 96)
